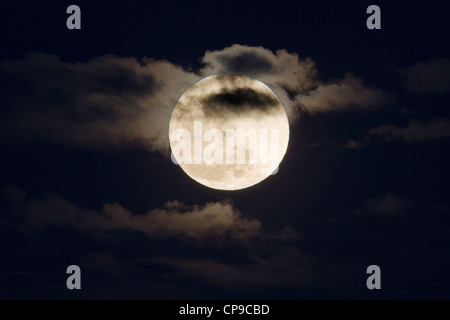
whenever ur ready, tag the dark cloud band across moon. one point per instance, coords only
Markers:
(239, 100)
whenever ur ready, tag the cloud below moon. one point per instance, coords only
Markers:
(174, 219)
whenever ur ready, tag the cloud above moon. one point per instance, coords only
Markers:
(283, 69)
(114, 101)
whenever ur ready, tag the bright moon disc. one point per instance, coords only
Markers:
(228, 132)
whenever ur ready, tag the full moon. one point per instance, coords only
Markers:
(228, 132)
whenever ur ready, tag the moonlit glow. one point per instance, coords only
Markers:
(228, 132)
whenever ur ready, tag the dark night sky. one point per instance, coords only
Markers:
(365, 179)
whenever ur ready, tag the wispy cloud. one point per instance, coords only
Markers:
(387, 205)
(295, 80)
(113, 100)
(288, 269)
(416, 131)
(108, 100)
(347, 93)
(173, 219)
(430, 77)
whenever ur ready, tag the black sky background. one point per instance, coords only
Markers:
(385, 203)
